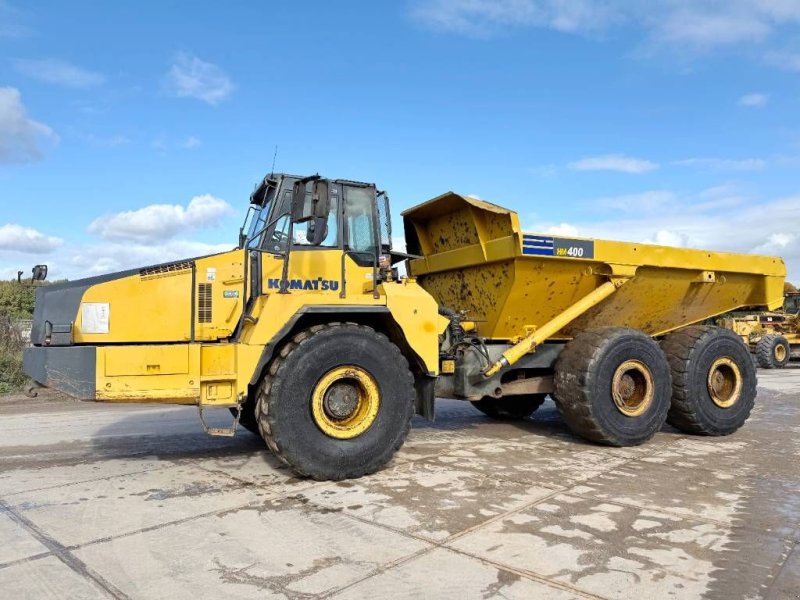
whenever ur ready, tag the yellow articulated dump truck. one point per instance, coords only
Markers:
(773, 337)
(307, 334)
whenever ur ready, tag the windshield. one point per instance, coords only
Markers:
(792, 305)
(258, 214)
(257, 222)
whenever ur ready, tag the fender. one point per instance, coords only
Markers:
(271, 346)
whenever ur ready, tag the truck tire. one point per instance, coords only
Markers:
(511, 408)
(613, 386)
(336, 402)
(773, 352)
(713, 380)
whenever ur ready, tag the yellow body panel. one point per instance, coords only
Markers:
(213, 369)
(155, 305)
(157, 386)
(477, 259)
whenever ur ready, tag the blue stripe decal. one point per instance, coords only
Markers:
(538, 251)
(538, 245)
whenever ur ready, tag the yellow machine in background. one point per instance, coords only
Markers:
(306, 333)
(773, 337)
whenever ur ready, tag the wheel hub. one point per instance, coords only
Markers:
(345, 402)
(780, 353)
(632, 388)
(341, 399)
(725, 382)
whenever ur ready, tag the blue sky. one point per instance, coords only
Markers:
(133, 133)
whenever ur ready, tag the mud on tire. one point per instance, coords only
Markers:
(284, 407)
(586, 373)
(697, 406)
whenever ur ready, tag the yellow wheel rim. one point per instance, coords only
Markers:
(780, 353)
(632, 388)
(345, 402)
(725, 382)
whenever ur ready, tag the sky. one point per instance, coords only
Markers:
(133, 133)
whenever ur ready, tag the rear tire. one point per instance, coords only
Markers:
(337, 402)
(613, 386)
(773, 352)
(713, 380)
(511, 408)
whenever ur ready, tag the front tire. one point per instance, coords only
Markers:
(337, 402)
(612, 386)
(713, 380)
(773, 352)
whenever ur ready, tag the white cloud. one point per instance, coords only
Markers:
(788, 61)
(613, 162)
(159, 222)
(562, 229)
(688, 223)
(651, 200)
(16, 238)
(89, 260)
(190, 142)
(481, 17)
(754, 100)
(21, 138)
(679, 24)
(58, 72)
(710, 24)
(190, 77)
(724, 164)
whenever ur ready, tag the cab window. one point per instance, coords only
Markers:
(278, 234)
(304, 231)
(359, 206)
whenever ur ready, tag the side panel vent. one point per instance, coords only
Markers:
(166, 270)
(204, 303)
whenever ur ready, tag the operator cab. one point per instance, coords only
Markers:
(289, 213)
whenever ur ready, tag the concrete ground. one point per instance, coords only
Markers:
(137, 502)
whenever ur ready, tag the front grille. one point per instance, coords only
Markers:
(204, 303)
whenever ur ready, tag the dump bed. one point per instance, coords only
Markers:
(475, 258)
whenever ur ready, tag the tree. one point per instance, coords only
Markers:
(789, 287)
(16, 299)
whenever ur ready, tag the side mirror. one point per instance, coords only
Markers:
(39, 273)
(242, 238)
(307, 206)
(317, 230)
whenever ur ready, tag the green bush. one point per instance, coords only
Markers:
(16, 300)
(11, 376)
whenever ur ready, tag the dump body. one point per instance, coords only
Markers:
(475, 258)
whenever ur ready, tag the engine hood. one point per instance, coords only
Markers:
(58, 304)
